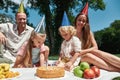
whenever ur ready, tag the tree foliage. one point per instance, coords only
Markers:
(53, 11)
(108, 39)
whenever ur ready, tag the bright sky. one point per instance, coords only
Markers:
(98, 19)
(102, 19)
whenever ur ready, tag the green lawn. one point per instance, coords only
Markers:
(53, 57)
(117, 55)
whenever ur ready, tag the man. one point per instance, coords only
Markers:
(12, 36)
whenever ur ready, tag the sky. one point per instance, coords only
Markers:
(98, 19)
(102, 19)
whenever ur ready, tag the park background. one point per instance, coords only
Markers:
(103, 16)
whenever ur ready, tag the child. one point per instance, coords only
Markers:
(69, 45)
(26, 57)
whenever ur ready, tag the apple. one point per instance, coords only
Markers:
(84, 65)
(89, 74)
(76, 68)
(77, 72)
(96, 71)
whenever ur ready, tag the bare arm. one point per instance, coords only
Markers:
(73, 59)
(18, 62)
(71, 62)
(94, 45)
(21, 55)
(59, 59)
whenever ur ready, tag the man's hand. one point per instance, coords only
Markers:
(2, 38)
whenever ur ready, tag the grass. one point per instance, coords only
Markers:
(55, 57)
(117, 55)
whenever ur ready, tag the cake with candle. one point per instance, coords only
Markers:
(50, 72)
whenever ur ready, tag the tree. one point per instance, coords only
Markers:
(70, 6)
(53, 11)
(6, 18)
(108, 39)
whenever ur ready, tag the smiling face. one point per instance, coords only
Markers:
(66, 36)
(65, 33)
(21, 19)
(80, 22)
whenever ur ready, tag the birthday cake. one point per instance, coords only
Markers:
(50, 72)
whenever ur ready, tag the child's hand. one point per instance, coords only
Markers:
(57, 62)
(68, 66)
(19, 66)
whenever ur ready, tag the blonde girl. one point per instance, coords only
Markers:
(25, 56)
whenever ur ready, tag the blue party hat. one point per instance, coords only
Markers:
(65, 20)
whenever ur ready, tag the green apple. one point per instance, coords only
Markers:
(77, 72)
(84, 65)
(76, 68)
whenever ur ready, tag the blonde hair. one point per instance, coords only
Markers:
(28, 57)
(67, 30)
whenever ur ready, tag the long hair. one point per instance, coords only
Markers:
(86, 41)
(28, 56)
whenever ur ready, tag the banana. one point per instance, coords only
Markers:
(5, 66)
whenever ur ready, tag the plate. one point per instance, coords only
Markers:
(78, 78)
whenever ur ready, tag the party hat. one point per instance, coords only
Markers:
(85, 9)
(42, 29)
(65, 20)
(21, 7)
(41, 26)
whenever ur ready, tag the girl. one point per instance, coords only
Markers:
(25, 57)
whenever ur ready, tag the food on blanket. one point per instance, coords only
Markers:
(96, 71)
(5, 71)
(5, 66)
(89, 74)
(84, 65)
(84, 70)
(76, 68)
(50, 72)
(77, 72)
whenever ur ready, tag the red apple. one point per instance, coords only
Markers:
(89, 74)
(96, 71)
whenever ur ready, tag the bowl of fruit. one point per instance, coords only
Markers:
(85, 71)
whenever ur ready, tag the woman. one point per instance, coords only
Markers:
(90, 52)
(25, 57)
